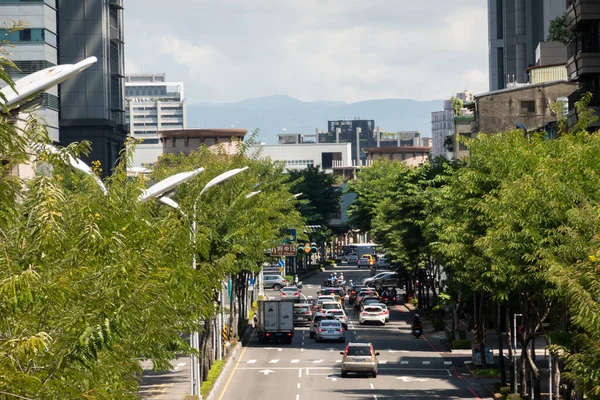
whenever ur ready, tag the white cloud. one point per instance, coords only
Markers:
(228, 50)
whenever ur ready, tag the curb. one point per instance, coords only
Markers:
(220, 382)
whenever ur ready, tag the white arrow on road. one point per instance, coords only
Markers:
(267, 371)
(274, 348)
(409, 379)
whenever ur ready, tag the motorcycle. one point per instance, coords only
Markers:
(417, 330)
(385, 299)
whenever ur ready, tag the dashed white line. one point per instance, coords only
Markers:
(302, 349)
(180, 364)
(317, 361)
(448, 362)
(426, 362)
(297, 396)
(250, 361)
(403, 362)
(382, 361)
(337, 361)
(295, 361)
(300, 373)
(298, 385)
(372, 387)
(275, 361)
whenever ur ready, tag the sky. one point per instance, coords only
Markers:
(312, 50)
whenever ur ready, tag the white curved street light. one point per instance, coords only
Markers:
(298, 195)
(73, 162)
(251, 194)
(168, 184)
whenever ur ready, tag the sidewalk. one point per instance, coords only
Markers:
(439, 339)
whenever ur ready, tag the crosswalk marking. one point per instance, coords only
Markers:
(382, 361)
(275, 361)
(295, 361)
(250, 361)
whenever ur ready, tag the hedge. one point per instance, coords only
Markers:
(213, 374)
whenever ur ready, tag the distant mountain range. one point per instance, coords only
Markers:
(272, 114)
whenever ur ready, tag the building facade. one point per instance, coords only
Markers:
(153, 104)
(583, 65)
(301, 155)
(410, 155)
(35, 48)
(92, 104)
(360, 133)
(516, 27)
(176, 141)
(442, 126)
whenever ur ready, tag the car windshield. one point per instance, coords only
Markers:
(301, 309)
(329, 306)
(359, 351)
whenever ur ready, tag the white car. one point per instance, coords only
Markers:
(372, 314)
(385, 310)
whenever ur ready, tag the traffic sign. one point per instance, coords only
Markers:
(285, 250)
(281, 263)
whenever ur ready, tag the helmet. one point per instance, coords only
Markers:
(417, 316)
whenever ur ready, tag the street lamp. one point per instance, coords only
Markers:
(168, 184)
(73, 162)
(195, 370)
(251, 194)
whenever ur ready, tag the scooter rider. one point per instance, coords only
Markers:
(394, 294)
(416, 321)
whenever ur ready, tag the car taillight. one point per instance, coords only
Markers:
(341, 330)
(320, 330)
(308, 312)
(382, 313)
(296, 294)
(363, 313)
(267, 334)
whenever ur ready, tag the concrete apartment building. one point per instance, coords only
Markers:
(583, 52)
(177, 141)
(519, 106)
(412, 156)
(153, 104)
(442, 126)
(89, 106)
(35, 48)
(516, 27)
(360, 133)
(299, 151)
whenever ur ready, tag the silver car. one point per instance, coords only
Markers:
(340, 315)
(330, 329)
(359, 358)
(274, 281)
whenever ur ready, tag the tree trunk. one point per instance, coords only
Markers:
(501, 365)
(512, 353)
(481, 332)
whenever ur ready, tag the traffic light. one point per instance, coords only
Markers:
(313, 248)
(307, 248)
(300, 251)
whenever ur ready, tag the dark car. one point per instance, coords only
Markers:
(353, 292)
(332, 291)
(302, 314)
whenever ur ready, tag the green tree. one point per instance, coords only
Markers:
(320, 194)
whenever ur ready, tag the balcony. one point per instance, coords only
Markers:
(576, 96)
(581, 10)
(118, 4)
(583, 54)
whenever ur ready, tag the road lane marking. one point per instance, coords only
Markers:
(403, 362)
(297, 396)
(250, 361)
(426, 362)
(180, 364)
(295, 361)
(298, 385)
(337, 361)
(447, 362)
(382, 361)
(317, 361)
(372, 386)
(300, 373)
(267, 371)
(274, 361)
(234, 369)
(302, 349)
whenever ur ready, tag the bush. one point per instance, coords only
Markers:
(213, 374)
(289, 278)
(414, 302)
(461, 344)
(514, 396)
(486, 372)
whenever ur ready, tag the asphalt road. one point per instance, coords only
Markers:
(409, 368)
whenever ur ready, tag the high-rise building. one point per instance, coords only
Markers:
(582, 17)
(516, 27)
(92, 104)
(442, 126)
(35, 48)
(153, 104)
(359, 132)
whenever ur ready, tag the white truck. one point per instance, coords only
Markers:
(275, 321)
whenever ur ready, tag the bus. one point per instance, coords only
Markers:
(359, 249)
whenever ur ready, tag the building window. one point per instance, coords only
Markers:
(528, 106)
(29, 35)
